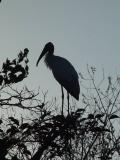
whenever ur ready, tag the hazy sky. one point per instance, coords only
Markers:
(83, 31)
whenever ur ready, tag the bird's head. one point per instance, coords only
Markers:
(49, 48)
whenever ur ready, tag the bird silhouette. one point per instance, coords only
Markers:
(63, 72)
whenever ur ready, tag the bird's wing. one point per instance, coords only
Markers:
(63, 69)
(66, 75)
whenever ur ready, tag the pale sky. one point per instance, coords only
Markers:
(83, 31)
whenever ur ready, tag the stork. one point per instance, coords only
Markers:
(63, 72)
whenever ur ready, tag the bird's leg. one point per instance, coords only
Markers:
(68, 103)
(69, 128)
(62, 99)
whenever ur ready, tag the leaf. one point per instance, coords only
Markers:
(82, 119)
(15, 158)
(106, 130)
(90, 116)
(27, 132)
(80, 110)
(44, 128)
(24, 126)
(105, 158)
(1, 121)
(14, 120)
(49, 125)
(96, 129)
(22, 146)
(12, 130)
(114, 116)
(27, 152)
(99, 116)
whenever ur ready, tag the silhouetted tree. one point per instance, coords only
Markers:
(41, 132)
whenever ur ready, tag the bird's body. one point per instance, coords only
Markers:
(62, 70)
(64, 73)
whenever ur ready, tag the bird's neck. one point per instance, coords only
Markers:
(49, 60)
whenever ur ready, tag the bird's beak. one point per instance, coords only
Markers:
(42, 54)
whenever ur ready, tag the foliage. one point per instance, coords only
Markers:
(13, 71)
(37, 132)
